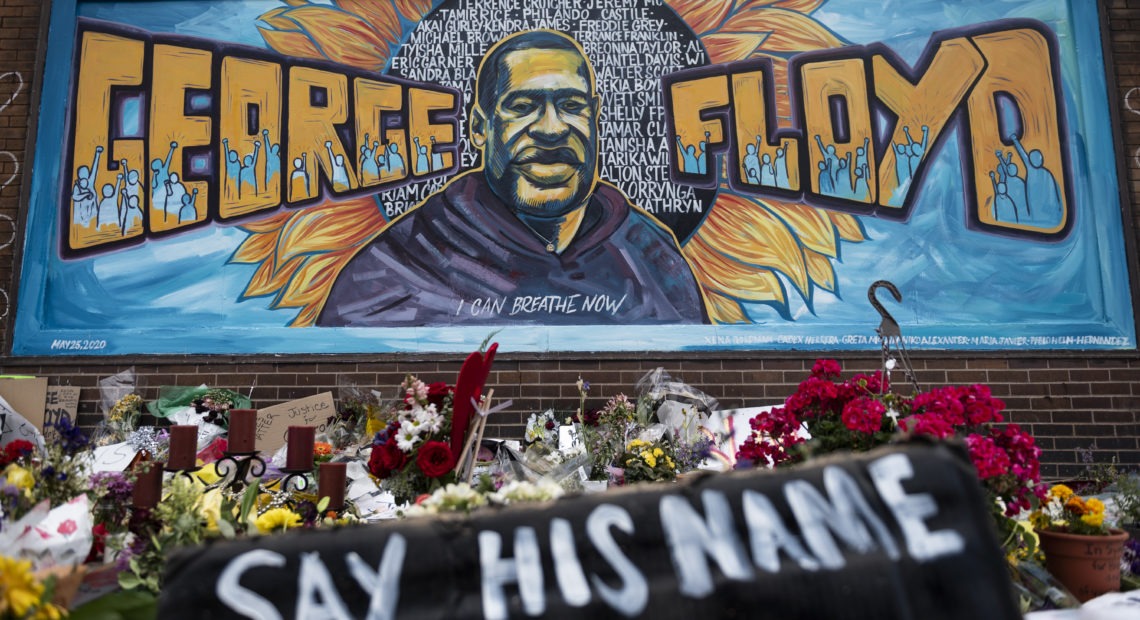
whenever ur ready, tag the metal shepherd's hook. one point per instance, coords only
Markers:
(889, 331)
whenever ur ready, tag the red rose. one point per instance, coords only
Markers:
(386, 459)
(434, 459)
(438, 393)
(392, 456)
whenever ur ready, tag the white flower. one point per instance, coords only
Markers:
(517, 491)
(429, 418)
(406, 440)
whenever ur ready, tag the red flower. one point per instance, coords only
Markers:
(67, 528)
(438, 393)
(98, 542)
(864, 415)
(386, 459)
(434, 459)
(17, 448)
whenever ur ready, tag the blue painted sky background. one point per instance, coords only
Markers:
(956, 282)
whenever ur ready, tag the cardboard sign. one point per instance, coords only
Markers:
(62, 402)
(902, 532)
(27, 397)
(274, 422)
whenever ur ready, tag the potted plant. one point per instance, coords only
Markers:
(1080, 550)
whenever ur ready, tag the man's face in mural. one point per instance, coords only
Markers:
(539, 139)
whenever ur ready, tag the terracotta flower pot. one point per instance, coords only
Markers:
(1087, 565)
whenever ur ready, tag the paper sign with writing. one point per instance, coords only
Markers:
(899, 532)
(27, 397)
(115, 457)
(62, 402)
(274, 422)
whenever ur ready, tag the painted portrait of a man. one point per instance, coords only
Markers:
(532, 235)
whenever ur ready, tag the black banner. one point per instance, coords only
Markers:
(902, 532)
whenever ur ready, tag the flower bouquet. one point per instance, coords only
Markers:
(828, 415)
(648, 461)
(412, 454)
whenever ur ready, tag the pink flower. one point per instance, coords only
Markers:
(864, 415)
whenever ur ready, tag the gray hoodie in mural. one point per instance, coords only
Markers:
(463, 258)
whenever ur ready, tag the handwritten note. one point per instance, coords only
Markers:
(115, 457)
(274, 422)
(62, 403)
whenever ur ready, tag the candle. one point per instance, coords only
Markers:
(183, 446)
(330, 484)
(243, 424)
(148, 484)
(300, 452)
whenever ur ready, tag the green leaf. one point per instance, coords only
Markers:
(226, 529)
(322, 505)
(249, 499)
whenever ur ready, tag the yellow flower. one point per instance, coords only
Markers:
(276, 519)
(20, 592)
(19, 477)
(1061, 492)
(1093, 519)
(1095, 506)
(658, 453)
(1076, 505)
(649, 459)
(669, 463)
(637, 443)
(210, 507)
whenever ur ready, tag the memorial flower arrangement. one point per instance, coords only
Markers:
(648, 461)
(412, 454)
(1065, 511)
(606, 433)
(827, 414)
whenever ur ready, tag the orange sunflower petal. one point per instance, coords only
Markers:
(791, 31)
(730, 277)
(290, 43)
(256, 248)
(746, 231)
(732, 46)
(380, 15)
(271, 223)
(342, 37)
(725, 310)
(800, 6)
(812, 226)
(333, 227)
(414, 10)
(312, 281)
(701, 15)
(820, 270)
(267, 280)
(848, 226)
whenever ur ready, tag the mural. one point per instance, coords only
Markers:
(277, 176)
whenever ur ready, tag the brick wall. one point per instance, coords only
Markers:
(1070, 402)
